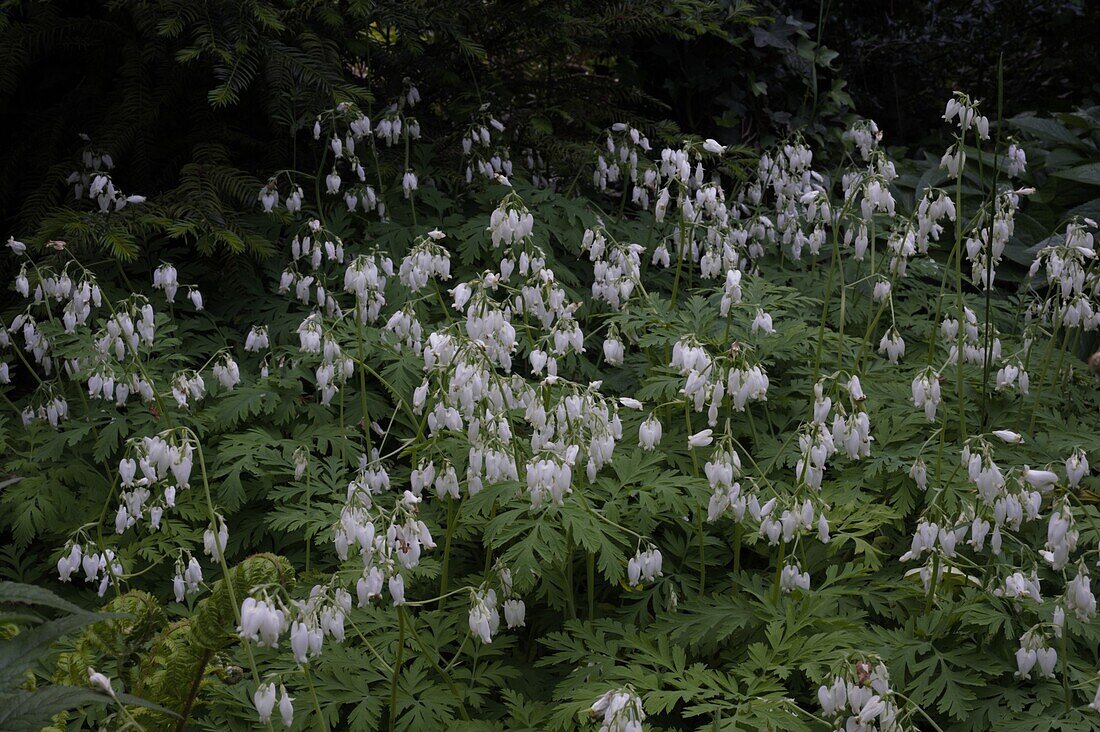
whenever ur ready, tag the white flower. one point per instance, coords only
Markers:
(762, 321)
(179, 589)
(257, 339)
(1047, 659)
(919, 474)
(613, 351)
(701, 439)
(192, 575)
(286, 707)
(649, 433)
(621, 710)
(712, 146)
(644, 566)
(1077, 467)
(214, 543)
(953, 160)
(1041, 479)
(269, 196)
(264, 700)
(855, 389)
(1012, 438)
(100, 681)
(127, 469)
(514, 611)
(69, 563)
(397, 589)
(926, 393)
(484, 618)
(892, 345)
(262, 621)
(409, 183)
(227, 372)
(792, 578)
(165, 278)
(833, 698)
(1016, 160)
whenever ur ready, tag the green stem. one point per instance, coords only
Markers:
(322, 723)
(959, 305)
(452, 524)
(679, 256)
(193, 689)
(932, 584)
(363, 381)
(1065, 672)
(737, 531)
(825, 306)
(397, 668)
(227, 578)
(309, 503)
(591, 562)
(1043, 372)
(699, 521)
(779, 571)
(570, 604)
(916, 706)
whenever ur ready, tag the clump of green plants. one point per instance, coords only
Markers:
(711, 442)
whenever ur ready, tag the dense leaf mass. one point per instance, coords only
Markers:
(413, 366)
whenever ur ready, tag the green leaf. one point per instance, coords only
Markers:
(17, 592)
(1088, 173)
(27, 647)
(31, 710)
(1047, 130)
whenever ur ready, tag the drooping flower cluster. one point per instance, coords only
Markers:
(161, 463)
(860, 699)
(510, 223)
(621, 711)
(1074, 282)
(644, 566)
(964, 109)
(101, 567)
(709, 381)
(316, 618)
(616, 267)
(188, 578)
(624, 167)
(483, 155)
(95, 179)
(985, 246)
(264, 701)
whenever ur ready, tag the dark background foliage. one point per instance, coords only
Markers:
(204, 99)
(902, 59)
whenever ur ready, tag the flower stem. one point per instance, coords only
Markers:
(227, 578)
(322, 723)
(397, 668)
